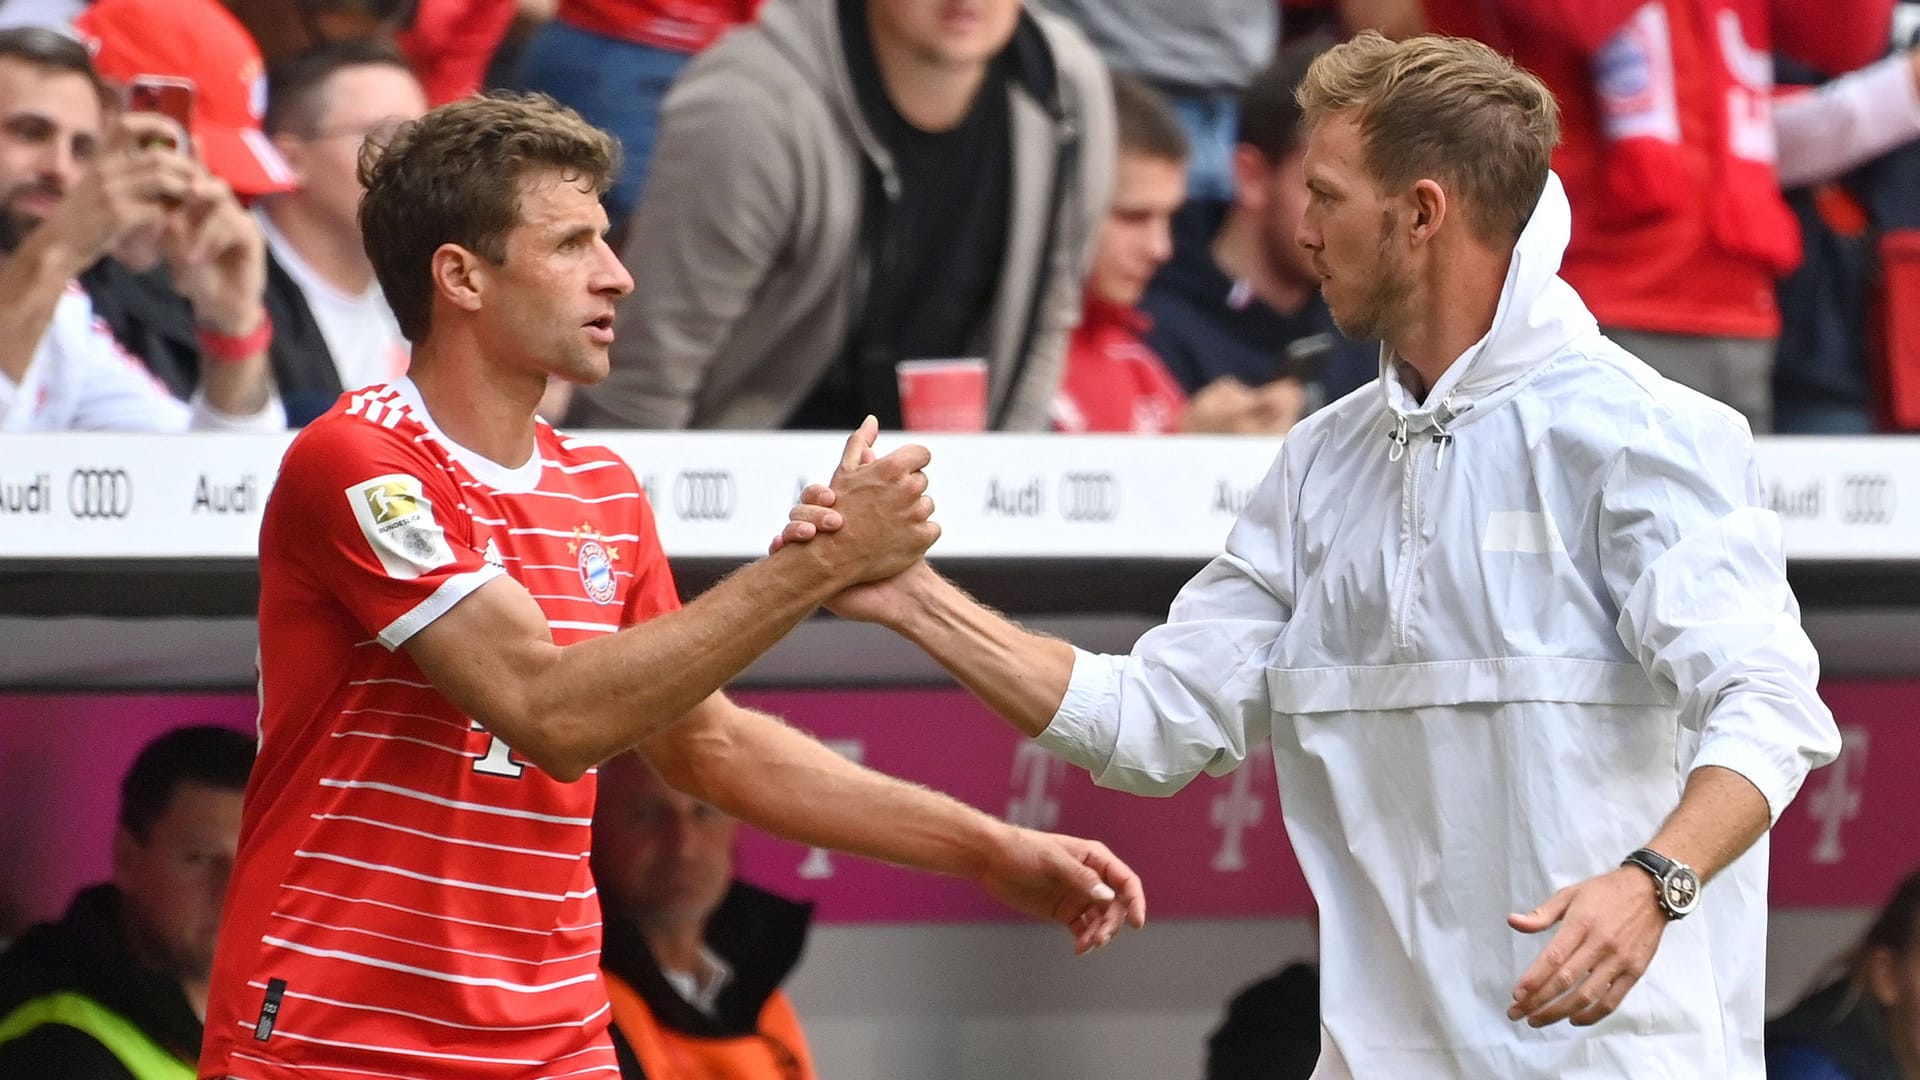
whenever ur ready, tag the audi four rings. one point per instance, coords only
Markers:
(99, 493)
(704, 494)
(1089, 496)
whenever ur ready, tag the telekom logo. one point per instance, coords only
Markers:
(1236, 810)
(1839, 799)
(1034, 772)
(818, 865)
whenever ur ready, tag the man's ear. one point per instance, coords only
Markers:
(1881, 968)
(1251, 172)
(1429, 205)
(459, 275)
(295, 151)
(126, 849)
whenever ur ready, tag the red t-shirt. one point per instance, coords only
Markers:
(686, 26)
(1114, 382)
(409, 899)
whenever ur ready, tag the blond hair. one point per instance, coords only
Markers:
(1445, 108)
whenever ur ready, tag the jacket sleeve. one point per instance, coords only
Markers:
(1192, 696)
(117, 391)
(1064, 279)
(1823, 133)
(714, 218)
(1694, 562)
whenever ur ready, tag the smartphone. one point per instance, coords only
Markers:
(168, 95)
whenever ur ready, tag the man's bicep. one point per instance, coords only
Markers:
(485, 652)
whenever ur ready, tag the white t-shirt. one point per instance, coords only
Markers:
(360, 330)
(80, 379)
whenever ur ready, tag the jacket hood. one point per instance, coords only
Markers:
(1538, 315)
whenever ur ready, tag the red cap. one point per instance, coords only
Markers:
(202, 41)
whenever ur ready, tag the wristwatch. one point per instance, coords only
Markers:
(1675, 885)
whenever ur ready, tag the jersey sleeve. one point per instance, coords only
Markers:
(376, 522)
(653, 592)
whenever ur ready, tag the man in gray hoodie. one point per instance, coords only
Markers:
(848, 184)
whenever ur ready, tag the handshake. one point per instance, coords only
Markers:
(868, 530)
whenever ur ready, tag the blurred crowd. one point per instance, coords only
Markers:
(1085, 209)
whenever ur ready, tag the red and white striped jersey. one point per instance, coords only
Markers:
(409, 899)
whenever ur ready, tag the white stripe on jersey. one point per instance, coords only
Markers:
(568, 624)
(283, 1033)
(425, 1019)
(394, 682)
(585, 466)
(562, 855)
(425, 973)
(385, 737)
(318, 1068)
(542, 931)
(436, 948)
(569, 496)
(406, 716)
(452, 883)
(568, 534)
(456, 804)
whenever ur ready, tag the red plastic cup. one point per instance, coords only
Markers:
(943, 395)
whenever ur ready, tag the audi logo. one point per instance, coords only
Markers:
(99, 493)
(1866, 499)
(1089, 496)
(703, 495)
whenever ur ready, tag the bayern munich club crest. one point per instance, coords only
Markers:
(596, 560)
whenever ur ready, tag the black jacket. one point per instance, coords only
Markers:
(759, 935)
(155, 323)
(86, 953)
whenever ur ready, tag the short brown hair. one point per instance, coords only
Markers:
(1146, 123)
(453, 177)
(54, 51)
(1447, 108)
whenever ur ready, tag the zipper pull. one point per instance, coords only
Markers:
(1398, 437)
(1441, 439)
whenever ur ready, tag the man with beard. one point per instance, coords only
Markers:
(116, 989)
(1240, 303)
(77, 185)
(1516, 625)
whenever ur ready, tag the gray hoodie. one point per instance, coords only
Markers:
(748, 254)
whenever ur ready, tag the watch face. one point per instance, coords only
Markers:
(1681, 891)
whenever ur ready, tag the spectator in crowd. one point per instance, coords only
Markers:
(1849, 353)
(1271, 1030)
(333, 330)
(133, 290)
(115, 990)
(284, 30)
(77, 185)
(1199, 54)
(462, 613)
(1864, 1025)
(1241, 301)
(612, 61)
(846, 184)
(693, 959)
(1478, 713)
(1680, 231)
(1114, 382)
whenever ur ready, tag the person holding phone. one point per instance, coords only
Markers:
(76, 187)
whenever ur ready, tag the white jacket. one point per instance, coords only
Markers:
(1489, 636)
(81, 379)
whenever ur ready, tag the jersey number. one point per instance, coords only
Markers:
(498, 760)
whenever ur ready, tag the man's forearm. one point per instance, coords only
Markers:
(31, 284)
(1720, 815)
(760, 770)
(1017, 673)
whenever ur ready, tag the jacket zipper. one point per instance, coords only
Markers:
(1412, 511)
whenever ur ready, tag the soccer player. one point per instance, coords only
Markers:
(462, 612)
